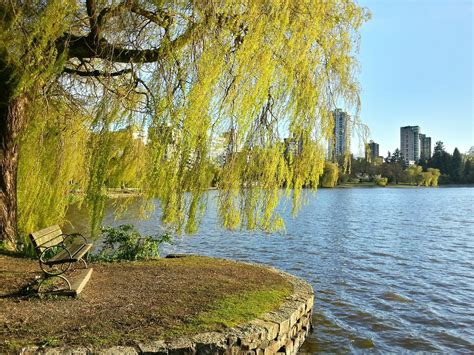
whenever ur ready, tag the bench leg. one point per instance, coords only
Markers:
(56, 269)
(84, 262)
(54, 284)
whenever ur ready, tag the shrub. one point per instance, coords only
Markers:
(427, 179)
(435, 173)
(343, 178)
(125, 243)
(381, 181)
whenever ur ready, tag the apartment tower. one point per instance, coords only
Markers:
(338, 145)
(410, 143)
(425, 146)
(371, 151)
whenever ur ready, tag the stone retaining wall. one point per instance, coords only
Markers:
(279, 332)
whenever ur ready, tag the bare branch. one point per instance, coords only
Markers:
(112, 11)
(163, 19)
(83, 47)
(95, 73)
(92, 13)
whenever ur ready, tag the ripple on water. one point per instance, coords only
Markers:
(453, 341)
(363, 343)
(414, 342)
(395, 297)
(390, 274)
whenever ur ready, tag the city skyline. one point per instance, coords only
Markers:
(416, 69)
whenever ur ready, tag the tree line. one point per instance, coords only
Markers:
(442, 168)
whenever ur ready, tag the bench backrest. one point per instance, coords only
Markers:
(47, 237)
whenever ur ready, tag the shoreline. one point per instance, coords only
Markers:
(128, 193)
(401, 186)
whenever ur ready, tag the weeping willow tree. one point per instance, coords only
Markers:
(185, 73)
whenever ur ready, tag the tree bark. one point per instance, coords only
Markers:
(12, 121)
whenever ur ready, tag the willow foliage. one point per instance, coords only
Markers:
(252, 71)
(330, 176)
(54, 159)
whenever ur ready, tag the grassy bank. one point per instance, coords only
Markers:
(373, 184)
(130, 302)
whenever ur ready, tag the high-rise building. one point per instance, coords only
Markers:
(410, 143)
(371, 151)
(425, 146)
(339, 144)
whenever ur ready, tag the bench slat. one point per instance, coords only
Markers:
(77, 252)
(46, 237)
(78, 282)
(45, 231)
(83, 251)
(78, 285)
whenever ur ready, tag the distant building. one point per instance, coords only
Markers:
(410, 144)
(293, 146)
(425, 146)
(339, 144)
(371, 151)
(223, 146)
(218, 150)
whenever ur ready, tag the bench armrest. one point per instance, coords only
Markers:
(49, 265)
(49, 253)
(68, 238)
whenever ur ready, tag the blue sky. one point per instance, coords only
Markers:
(416, 61)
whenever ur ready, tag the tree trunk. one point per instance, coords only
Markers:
(12, 121)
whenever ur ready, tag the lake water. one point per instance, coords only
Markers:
(392, 269)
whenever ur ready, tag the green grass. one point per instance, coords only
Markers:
(237, 309)
(358, 184)
(232, 311)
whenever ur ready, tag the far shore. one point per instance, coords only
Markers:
(402, 186)
(115, 193)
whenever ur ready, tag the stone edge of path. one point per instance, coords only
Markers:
(279, 332)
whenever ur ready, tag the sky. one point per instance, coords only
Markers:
(416, 59)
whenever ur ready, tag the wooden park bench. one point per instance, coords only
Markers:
(57, 252)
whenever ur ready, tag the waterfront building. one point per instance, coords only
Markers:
(371, 151)
(339, 144)
(410, 144)
(425, 146)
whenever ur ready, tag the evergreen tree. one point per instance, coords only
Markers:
(456, 168)
(424, 163)
(441, 159)
(397, 157)
(470, 152)
(468, 172)
(439, 148)
(394, 167)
